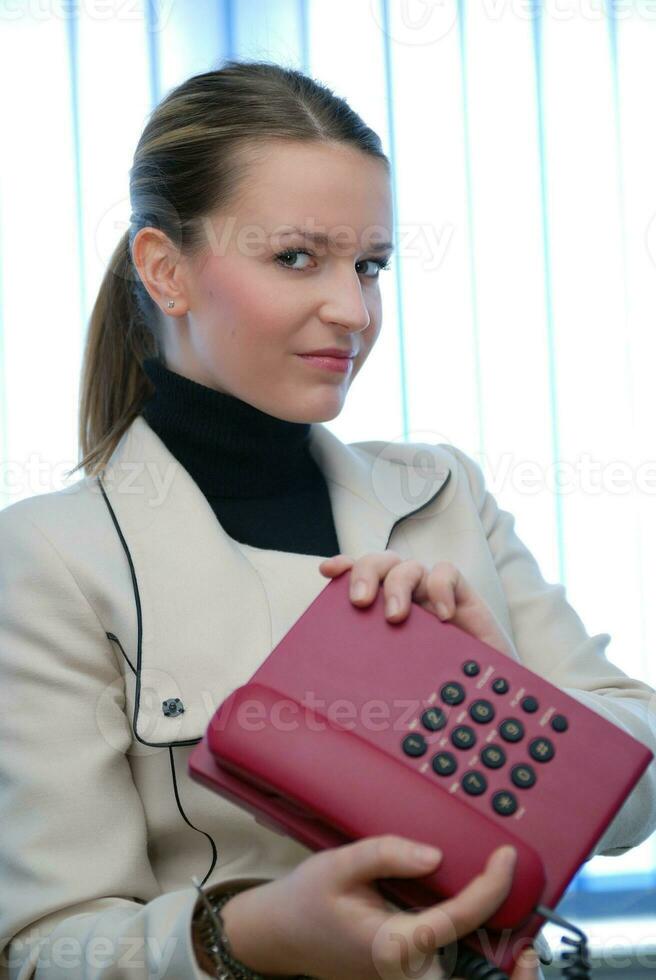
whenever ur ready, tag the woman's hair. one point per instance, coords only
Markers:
(190, 160)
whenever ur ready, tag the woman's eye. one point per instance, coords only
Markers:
(379, 264)
(287, 254)
(382, 265)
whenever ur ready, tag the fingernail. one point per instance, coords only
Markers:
(359, 590)
(506, 857)
(392, 606)
(529, 958)
(442, 610)
(427, 855)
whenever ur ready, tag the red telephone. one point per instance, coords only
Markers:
(354, 726)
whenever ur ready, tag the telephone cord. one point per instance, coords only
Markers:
(472, 966)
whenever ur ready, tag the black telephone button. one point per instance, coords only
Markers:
(414, 744)
(541, 749)
(474, 783)
(463, 737)
(481, 711)
(452, 693)
(523, 776)
(433, 719)
(530, 704)
(511, 730)
(500, 686)
(471, 668)
(493, 756)
(444, 763)
(504, 802)
(559, 723)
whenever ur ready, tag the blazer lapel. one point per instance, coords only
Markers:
(198, 597)
(375, 485)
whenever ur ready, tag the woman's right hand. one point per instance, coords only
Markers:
(327, 920)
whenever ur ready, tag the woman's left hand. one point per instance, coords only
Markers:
(408, 580)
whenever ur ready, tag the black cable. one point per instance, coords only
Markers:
(187, 821)
(472, 966)
(577, 959)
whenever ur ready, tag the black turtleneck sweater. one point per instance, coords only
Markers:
(255, 470)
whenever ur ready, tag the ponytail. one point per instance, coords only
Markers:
(113, 384)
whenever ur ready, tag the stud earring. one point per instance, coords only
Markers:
(171, 304)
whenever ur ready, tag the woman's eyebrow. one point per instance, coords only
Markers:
(321, 239)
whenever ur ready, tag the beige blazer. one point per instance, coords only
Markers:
(102, 828)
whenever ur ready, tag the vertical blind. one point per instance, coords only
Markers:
(518, 315)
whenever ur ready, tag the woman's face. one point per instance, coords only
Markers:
(247, 312)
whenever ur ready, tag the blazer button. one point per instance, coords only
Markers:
(172, 706)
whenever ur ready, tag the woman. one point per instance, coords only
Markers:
(213, 508)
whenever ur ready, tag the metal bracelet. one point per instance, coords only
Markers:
(212, 934)
(212, 931)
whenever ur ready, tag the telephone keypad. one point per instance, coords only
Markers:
(463, 737)
(444, 763)
(504, 802)
(511, 730)
(452, 693)
(474, 783)
(433, 719)
(493, 756)
(481, 711)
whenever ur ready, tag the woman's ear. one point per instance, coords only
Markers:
(162, 270)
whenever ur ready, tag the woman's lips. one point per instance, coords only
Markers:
(340, 364)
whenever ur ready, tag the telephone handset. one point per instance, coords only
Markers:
(473, 750)
(337, 777)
